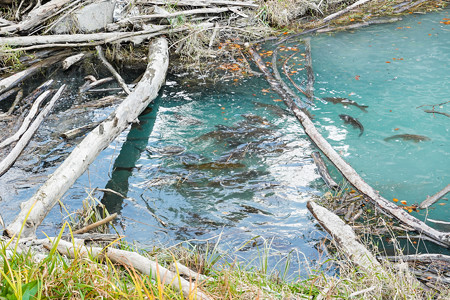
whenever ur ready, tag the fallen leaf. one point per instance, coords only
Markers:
(395, 200)
(357, 77)
(396, 128)
(277, 100)
(388, 62)
(403, 202)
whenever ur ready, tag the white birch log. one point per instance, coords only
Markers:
(347, 9)
(35, 17)
(40, 204)
(345, 237)
(136, 261)
(27, 121)
(26, 137)
(346, 170)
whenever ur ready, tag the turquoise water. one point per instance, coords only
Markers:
(269, 175)
(418, 52)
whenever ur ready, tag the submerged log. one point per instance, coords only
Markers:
(135, 261)
(346, 170)
(323, 171)
(38, 206)
(309, 70)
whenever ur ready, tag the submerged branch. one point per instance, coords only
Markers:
(431, 200)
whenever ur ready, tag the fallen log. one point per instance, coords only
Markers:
(431, 200)
(413, 4)
(426, 258)
(309, 70)
(38, 206)
(96, 224)
(323, 171)
(73, 133)
(89, 38)
(27, 121)
(36, 17)
(23, 141)
(71, 60)
(346, 170)
(90, 85)
(136, 261)
(9, 82)
(112, 70)
(345, 10)
(345, 237)
(196, 3)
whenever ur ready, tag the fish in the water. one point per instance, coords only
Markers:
(345, 102)
(354, 122)
(214, 166)
(408, 137)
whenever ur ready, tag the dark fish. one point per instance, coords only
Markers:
(345, 102)
(352, 121)
(408, 137)
(214, 166)
(273, 108)
(255, 119)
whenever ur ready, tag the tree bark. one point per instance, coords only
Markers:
(39, 205)
(347, 171)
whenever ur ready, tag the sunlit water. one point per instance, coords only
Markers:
(270, 177)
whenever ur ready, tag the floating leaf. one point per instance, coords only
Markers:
(403, 202)
(395, 200)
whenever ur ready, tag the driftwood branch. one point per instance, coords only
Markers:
(346, 170)
(436, 112)
(136, 261)
(411, 5)
(38, 206)
(23, 141)
(345, 10)
(431, 200)
(73, 133)
(112, 70)
(427, 258)
(96, 224)
(90, 85)
(286, 73)
(323, 171)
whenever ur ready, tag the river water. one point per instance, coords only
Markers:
(229, 162)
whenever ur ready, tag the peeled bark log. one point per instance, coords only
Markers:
(346, 170)
(197, 3)
(40, 204)
(136, 261)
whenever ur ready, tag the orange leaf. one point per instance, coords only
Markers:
(403, 202)
(396, 128)
(357, 77)
(222, 107)
(277, 100)
(395, 200)
(388, 62)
